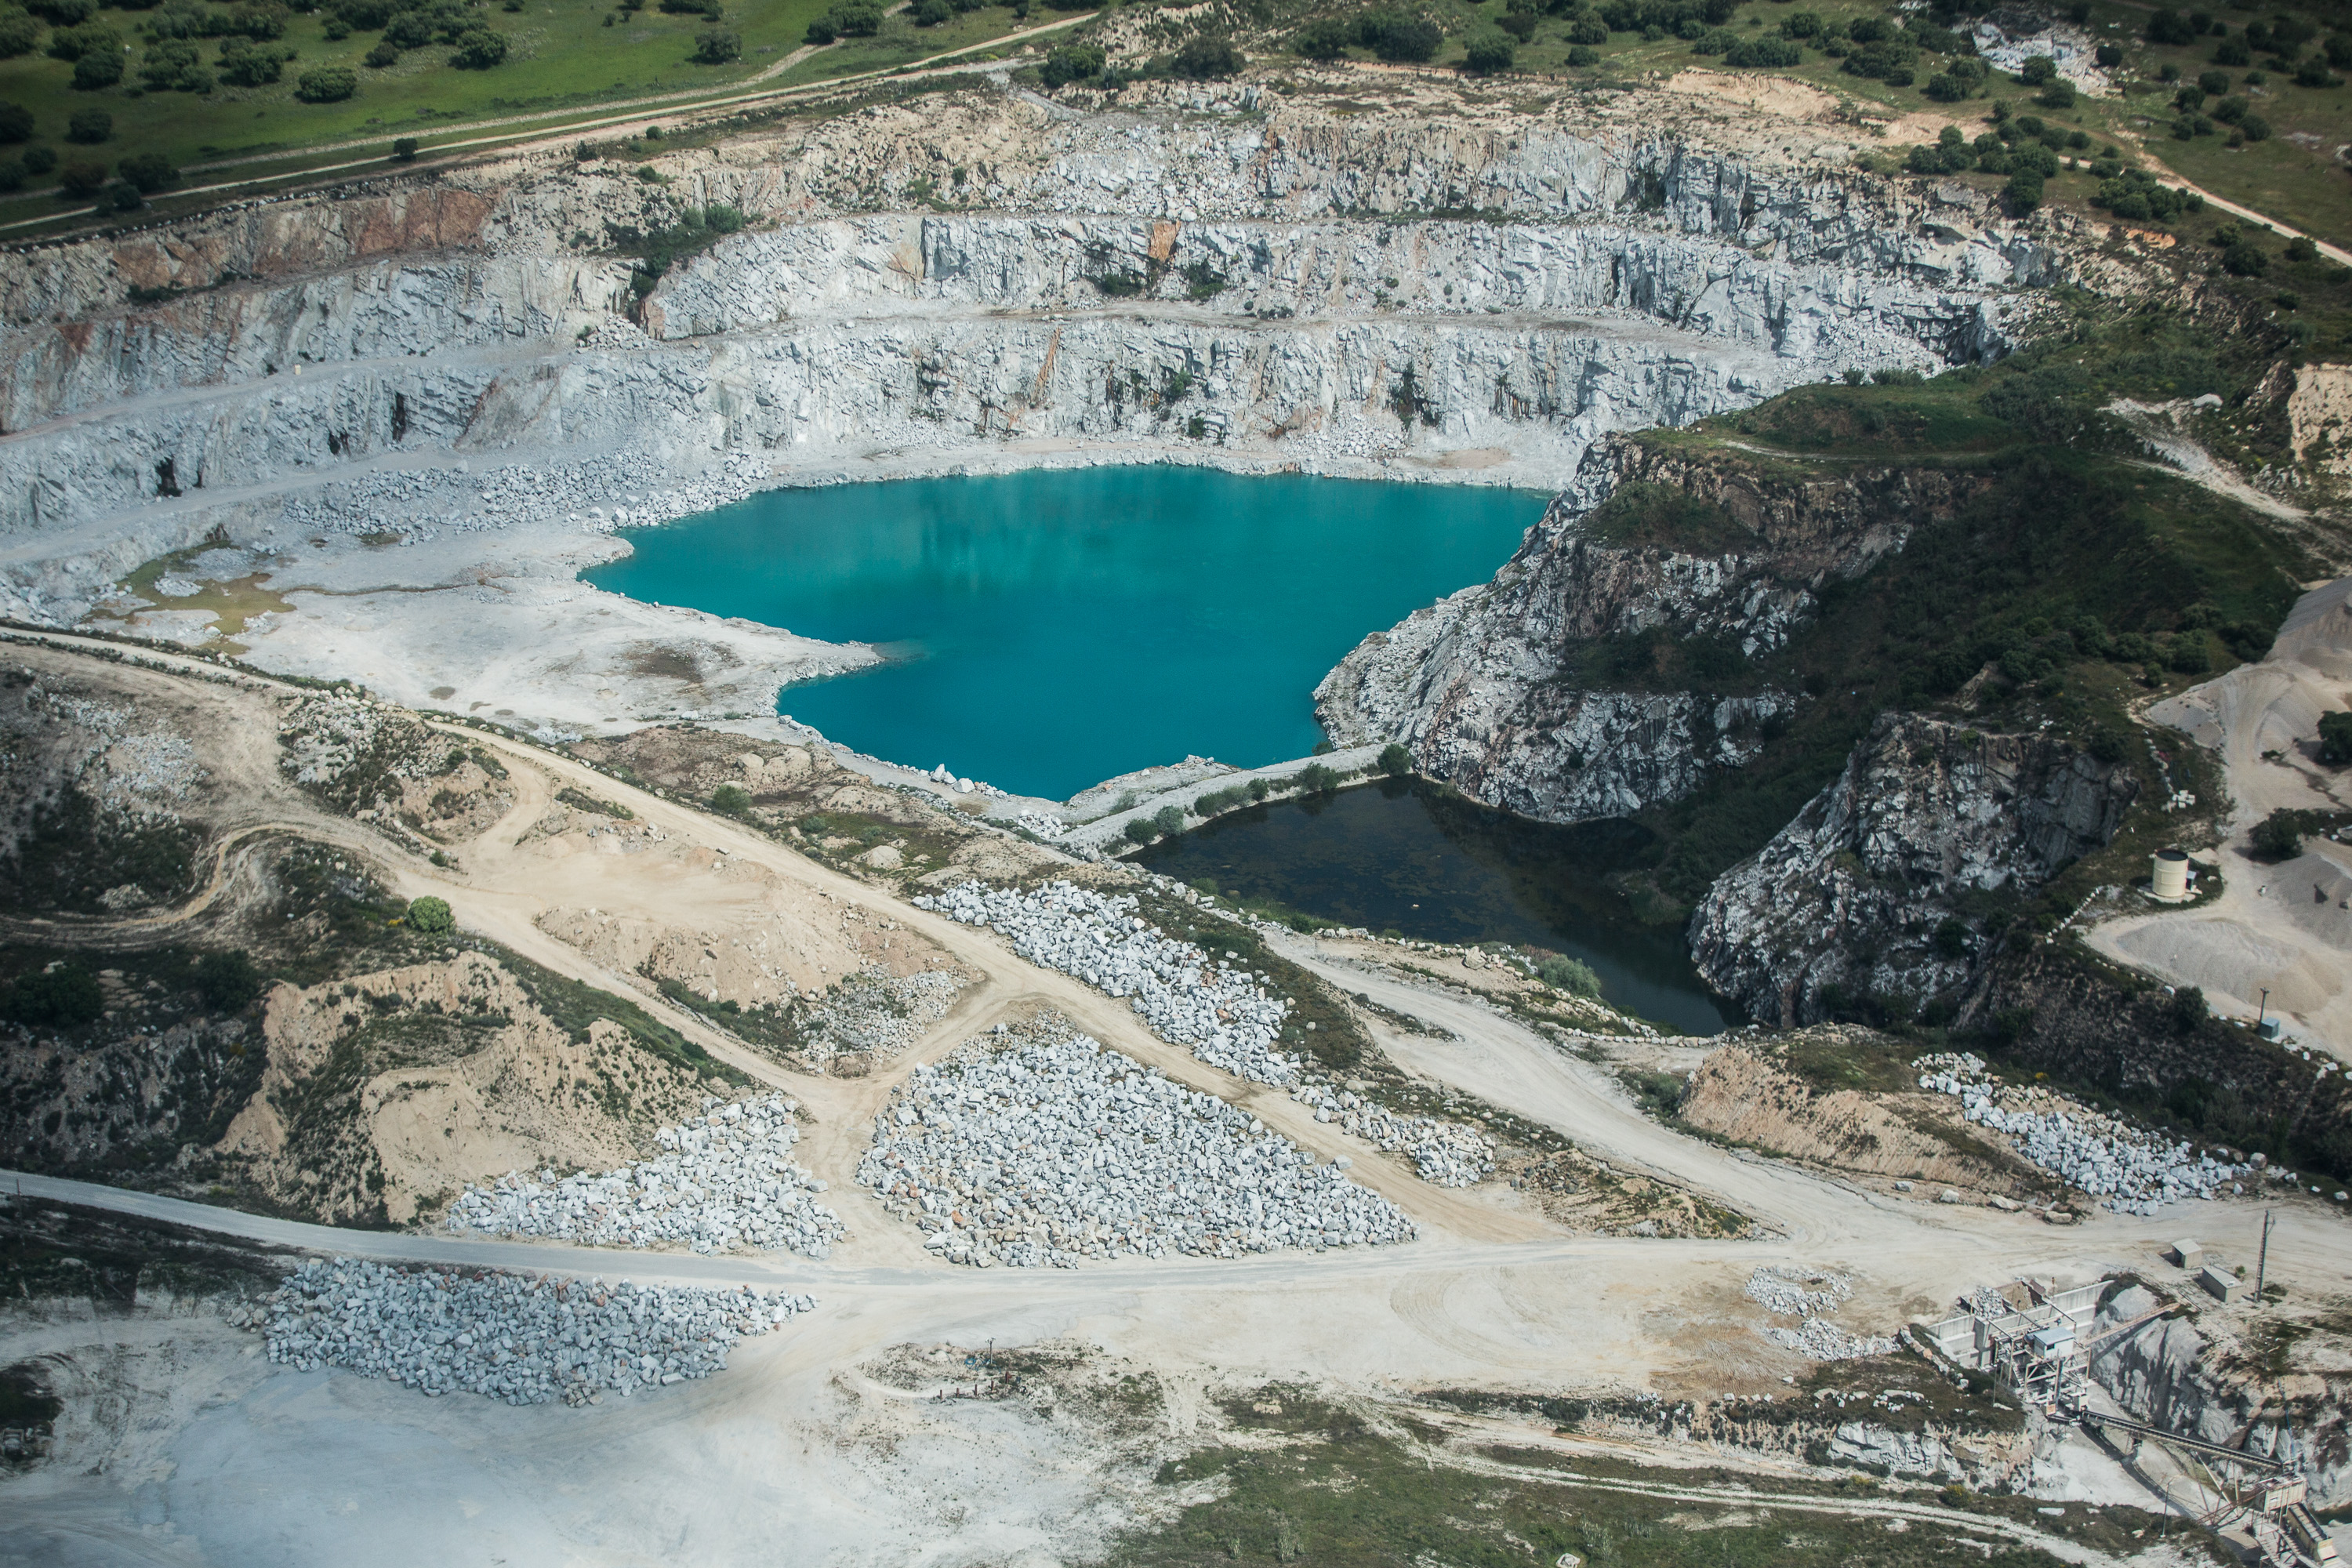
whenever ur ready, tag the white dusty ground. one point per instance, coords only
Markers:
(2286, 929)
(187, 1446)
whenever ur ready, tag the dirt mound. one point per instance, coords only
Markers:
(1754, 1093)
(386, 1093)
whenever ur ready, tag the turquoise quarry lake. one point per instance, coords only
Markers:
(1054, 628)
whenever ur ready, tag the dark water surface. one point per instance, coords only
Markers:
(1422, 861)
(1054, 628)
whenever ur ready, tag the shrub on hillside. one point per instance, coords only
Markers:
(2279, 836)
(1324, 38)
(147, 172)
(480, 49)
(81, 178)
(431, 915)
(1204, 57)
(1489, 52)
(1395, 760)
(1071, 62)
(227, 980)
(716, 47)
(329, 84)
(1569, 975)
(18, 34)
(732, 799)
(2335, 738)
(60, 997)
(89, 126)
(1393, 36)
(16, 123)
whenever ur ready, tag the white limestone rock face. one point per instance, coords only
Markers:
(1488, 688)
(1862, 893)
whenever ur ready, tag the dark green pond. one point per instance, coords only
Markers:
(1418, 860)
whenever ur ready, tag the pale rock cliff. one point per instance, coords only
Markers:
(1487, 688)
(1867, 892)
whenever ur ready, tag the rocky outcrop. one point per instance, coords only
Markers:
(1863, 894)
(2199, 1379)
(1494, 690)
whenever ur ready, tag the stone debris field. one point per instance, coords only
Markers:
(1808, 1295)
(508, 1336)
(1444, 1154)
(719, 1184)
(2126, 1168)
(1218, 1012)
(1055, 1149)
(872, 1012)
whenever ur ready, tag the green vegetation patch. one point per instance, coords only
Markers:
(1638, 515)
(1309, 1482)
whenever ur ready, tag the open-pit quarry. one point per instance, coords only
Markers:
(480, 1085)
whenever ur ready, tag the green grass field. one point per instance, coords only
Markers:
(561, 57)
(2294, 176)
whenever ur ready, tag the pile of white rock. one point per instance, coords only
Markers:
(2128, 1169)
(508, 1336)
(872, 1011)
(1217, 1010)
(721, 1182)
(1044, 826)
(1056, 1149)
(1444, 1154)
(1798, 1293)
(1806, 1294)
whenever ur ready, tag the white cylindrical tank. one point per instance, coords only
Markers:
(2170, 881)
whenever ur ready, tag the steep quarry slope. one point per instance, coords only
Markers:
(1865, 893)
(1538, 692)
(981, 278)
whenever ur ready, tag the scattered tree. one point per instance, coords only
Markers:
(403, 150)
(227, 980)
(89, 126)
(732, 799)
(329, 84)
(2335, 738)
(1395, 760)
(478, 49)
(147, 172)
(1569, 975)
(431, 915)
(718, 48)
(2279, 836)
(60, 996)
(1204, 57)
(1489, 52)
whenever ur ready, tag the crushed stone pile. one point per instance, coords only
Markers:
(872, 1011)
(722, 1183)
(1056, 1149)
(1444, 1154)
(1217, 1010)
(2128, 1169)
(1798, 1293)
(1808, 1295)
(508, 1336)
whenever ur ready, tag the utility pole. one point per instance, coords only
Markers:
(2263, 1260)
(2263, 1013)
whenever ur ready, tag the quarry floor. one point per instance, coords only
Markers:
(204, 1451)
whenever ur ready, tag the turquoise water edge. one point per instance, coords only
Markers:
(1051, 629)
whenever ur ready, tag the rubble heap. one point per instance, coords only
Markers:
(873, 1012)
(721, 1182)
(1801, 1293)
(1056, 1149)
(1219, 1011)
(508, 1336)
(2126, 1167)
(1444, 1154)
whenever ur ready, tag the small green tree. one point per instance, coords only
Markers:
(2335, 738)
(89, 126)
(717, 48)
(1569, 975)
(329, 84)
(1324, 38)
(1317, 779)
(64, 995)
(1259, 789)
(228, 980)
(732, 799)
(1168, 821)
(1140, 830)
(1206, 56)
(1395, 760)
(2279, 836)
(1489, 52)
(403, 150)
(478, 49)
(1071, 62)
(431, 915)
(2189, 1009)
(150, 172)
